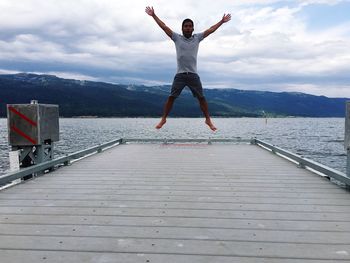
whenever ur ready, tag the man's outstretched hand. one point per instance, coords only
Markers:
(226, 18)
(150, 11)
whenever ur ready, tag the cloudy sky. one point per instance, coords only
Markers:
(301, 46)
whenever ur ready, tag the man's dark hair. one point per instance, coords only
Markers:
(187, 20)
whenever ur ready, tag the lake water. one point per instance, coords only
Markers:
(319, 139)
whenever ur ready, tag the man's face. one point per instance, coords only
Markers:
(187, 29)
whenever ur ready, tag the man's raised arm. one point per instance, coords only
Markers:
(213, 28)
(167, 30)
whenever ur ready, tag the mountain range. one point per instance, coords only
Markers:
(89, 98)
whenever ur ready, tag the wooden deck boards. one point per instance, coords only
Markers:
(176, 203)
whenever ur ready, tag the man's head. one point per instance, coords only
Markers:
(187, 28)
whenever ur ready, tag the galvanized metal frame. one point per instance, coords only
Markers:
(304, 162)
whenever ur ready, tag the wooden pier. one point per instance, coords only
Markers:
(182, 202)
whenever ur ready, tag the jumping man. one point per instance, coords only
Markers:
(186, 52)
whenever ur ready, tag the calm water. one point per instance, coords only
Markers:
(319, 139)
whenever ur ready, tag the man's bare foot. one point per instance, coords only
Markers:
(211, 125)
(161, 123)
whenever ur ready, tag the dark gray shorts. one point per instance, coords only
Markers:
(191, 80)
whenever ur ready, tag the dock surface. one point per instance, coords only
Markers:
(185, 203)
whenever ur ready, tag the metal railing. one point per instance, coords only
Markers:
(50, 165)
(305, 163)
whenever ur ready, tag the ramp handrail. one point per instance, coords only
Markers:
(304, 162)
(64, 160)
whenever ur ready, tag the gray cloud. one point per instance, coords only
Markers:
(265, 46)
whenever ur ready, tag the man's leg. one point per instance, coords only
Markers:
(195, 85)
(178, 84)
(204, 107)
(167, 108)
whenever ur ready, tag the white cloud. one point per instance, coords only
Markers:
(110, 40)
(6, 71)
(324, 2)
(339, 91)
(68, 75)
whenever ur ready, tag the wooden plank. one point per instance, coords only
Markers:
(121, 195)
(177, 205)
(101, 199)
(218, 185)
(180, 247)
(15, 256)
(178, 233)
(255, 223)
(171, 191)
(161, 212)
